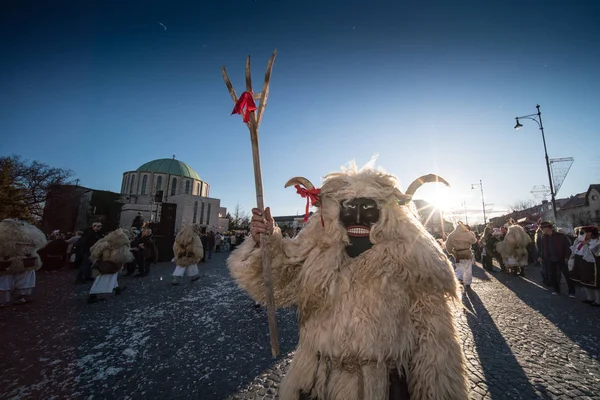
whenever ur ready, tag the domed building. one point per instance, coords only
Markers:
(169, 191)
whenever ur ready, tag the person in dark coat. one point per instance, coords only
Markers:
(138, 222)
(54, 254)
(555, 252)
(204, 240)
(147, 253)
(82, 259)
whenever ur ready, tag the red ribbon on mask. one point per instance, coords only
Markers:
(312, 197)
(244, 106)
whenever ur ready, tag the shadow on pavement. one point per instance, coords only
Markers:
(503, 374)
(578, 321)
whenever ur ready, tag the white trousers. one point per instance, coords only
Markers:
(192, 270)
(105, 283)
(22, 284)
(464, 271)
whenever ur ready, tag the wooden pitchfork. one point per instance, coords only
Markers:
(253, 122)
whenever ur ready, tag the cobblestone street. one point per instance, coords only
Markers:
(204, 340)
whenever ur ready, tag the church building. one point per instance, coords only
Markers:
(170, 189)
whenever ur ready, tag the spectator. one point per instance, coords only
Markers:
(147, 254)
(82, 260)
(210, 242)
(555, 252)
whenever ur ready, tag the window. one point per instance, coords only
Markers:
(159, 183)
(187, 187)
(195, 212)
(131, 186)
(202, 213)
(144, 183)
(124, 184)
(198, 190)
(174, 187)
(208, 215)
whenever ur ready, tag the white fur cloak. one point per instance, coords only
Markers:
(390, 306)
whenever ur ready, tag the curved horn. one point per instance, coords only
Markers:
(300, 180)
(417, 183)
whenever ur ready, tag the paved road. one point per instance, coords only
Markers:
(204, 340)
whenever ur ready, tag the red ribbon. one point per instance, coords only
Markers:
(312, 197)
(244, 106)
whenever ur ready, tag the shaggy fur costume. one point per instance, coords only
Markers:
(113, 248)
(513, 248)
(388, 307)
(188, 246)
(459, 243)
(19, 243)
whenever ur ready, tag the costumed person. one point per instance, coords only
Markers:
(109, 254)
(19, 243)
(459, 244)
(188, 252)
(587, 258)
(513, 249)
(373, 291)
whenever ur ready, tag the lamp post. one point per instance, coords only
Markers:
(537, 117)
(466, 216)
(480, 184)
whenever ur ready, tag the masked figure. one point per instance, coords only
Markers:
(109, 255)
(513, 249)
(188, 252)
(459, 245)
(19, 260)
(373, 292)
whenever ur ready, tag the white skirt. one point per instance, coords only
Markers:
(105, 283)
(22, 280)
(192, 270)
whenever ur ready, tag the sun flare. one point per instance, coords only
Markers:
(440, 197)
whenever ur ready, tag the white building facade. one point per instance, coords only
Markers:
(170, 181)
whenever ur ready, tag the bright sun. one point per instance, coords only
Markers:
(440, 197)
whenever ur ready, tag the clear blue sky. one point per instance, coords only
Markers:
(101, 87)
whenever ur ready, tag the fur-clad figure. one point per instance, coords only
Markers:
(19, 243)
(374, 299)
(459, 244)
(109, 254)
(113, 248)
(188, 252)
(513, 248)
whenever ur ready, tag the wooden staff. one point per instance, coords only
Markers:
(253, 124)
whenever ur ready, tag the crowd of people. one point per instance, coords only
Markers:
(99, 256)
(573, 257)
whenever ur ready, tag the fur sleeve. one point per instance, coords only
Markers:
(245, 266)
(437, 368)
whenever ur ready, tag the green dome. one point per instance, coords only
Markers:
(169, 166)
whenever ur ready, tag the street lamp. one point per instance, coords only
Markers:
(537, 117)
(480, 184)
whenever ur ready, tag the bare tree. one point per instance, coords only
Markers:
(521, 205)
(33, 180)
(240, 218)
(12, 204)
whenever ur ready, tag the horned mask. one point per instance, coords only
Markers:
(358, 200)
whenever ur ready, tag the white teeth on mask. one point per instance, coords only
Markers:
(358, 231)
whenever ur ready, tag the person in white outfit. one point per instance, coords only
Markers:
(19, 261)
(459, 244)
(188, 252)
(109, 254)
